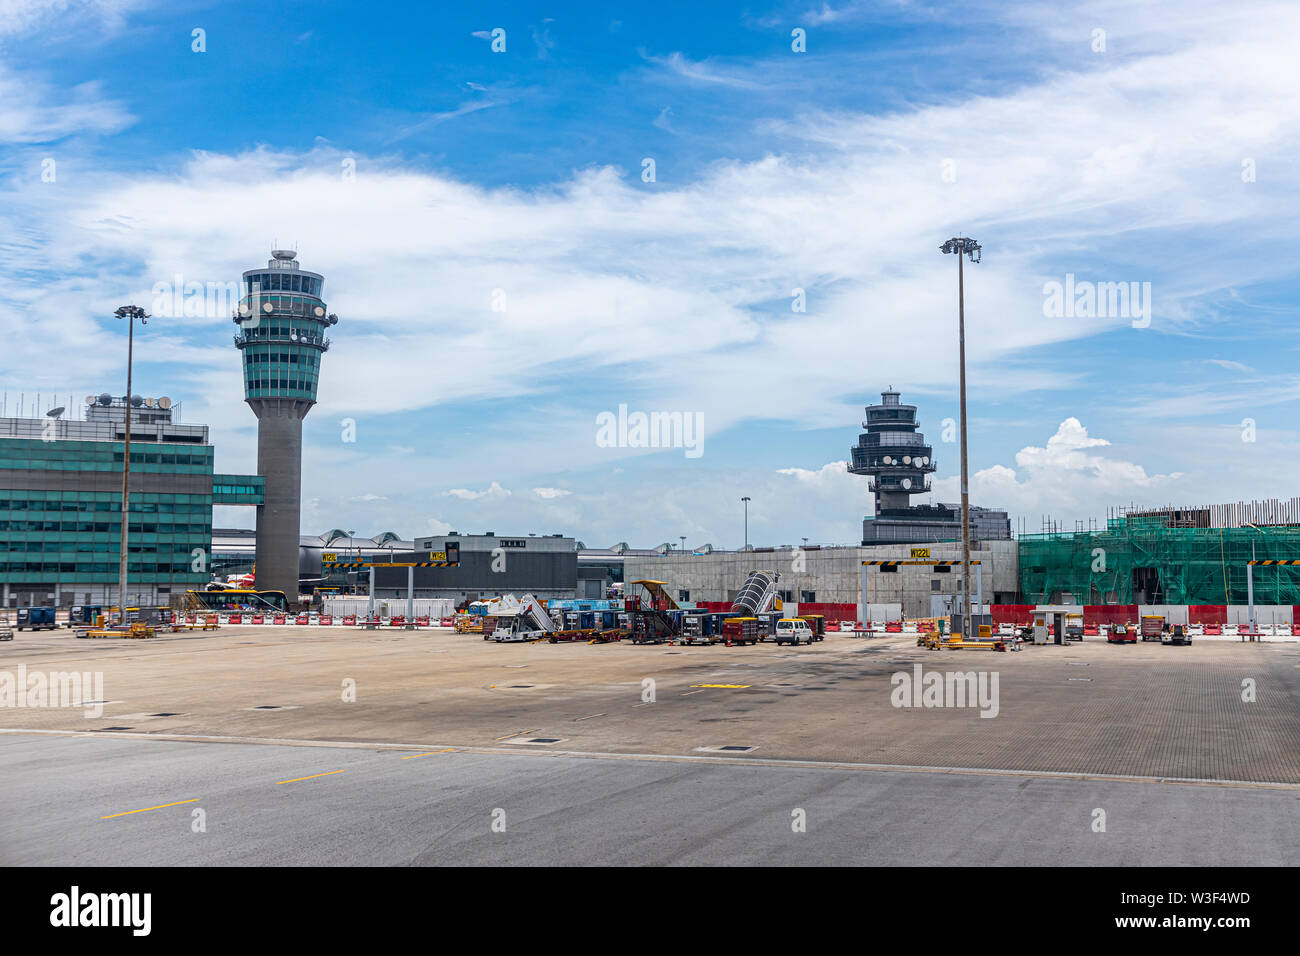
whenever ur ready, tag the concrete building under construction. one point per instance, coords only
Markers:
(1185, 555)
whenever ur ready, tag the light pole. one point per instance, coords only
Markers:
(746, 501)
(683, 539)
(130, 313)
(963, 246)
(352, 545)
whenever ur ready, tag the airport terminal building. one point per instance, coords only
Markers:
(61, 505)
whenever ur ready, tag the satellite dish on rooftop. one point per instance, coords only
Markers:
(164, 402)
(319, 311)
(105, 398)
(55, 412)
(136, 401)
(150, 402)
(90, 399)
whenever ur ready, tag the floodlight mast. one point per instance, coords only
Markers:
(963, 246)
(131, 313)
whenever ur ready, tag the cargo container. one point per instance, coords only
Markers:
(37, 618)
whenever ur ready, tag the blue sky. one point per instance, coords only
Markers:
(424, 174)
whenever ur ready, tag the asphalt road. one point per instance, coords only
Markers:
(67, 799)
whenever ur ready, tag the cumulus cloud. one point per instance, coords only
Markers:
(1063, 477)
(494, 490)
(604, 280)
(550, 493)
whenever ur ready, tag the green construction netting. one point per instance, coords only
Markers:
(1143, 561)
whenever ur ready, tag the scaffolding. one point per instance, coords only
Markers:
(1160, 559)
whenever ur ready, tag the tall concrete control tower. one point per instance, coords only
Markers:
(282, 322)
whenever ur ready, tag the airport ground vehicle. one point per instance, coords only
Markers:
(522, 620)
(793, 630)
(85, 615)
(235, 599)
(817, 623)
(740, 630)
(37, 618)
(1122, 634)
(1175, 634)
(1153, 626)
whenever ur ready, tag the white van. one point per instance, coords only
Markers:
(793, 630)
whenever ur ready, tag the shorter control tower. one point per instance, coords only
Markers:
(899, 462)
(893, 453)
(282, 322)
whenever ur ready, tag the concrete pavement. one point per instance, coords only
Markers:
(68, 802)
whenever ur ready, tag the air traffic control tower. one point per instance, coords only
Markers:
(895, 455)
(282, 322)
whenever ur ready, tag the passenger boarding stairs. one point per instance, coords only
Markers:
(758, 595)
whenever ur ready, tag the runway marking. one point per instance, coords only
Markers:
(313, 776)
(689, 692)
(429, 754)
(723, 686)
(788, 762)
(588, 717)
(164, 806)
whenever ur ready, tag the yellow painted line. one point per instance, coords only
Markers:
(127, 813)
(726, 686)
(429, 754)
(588, 717)
(520, 733)
(312, 777)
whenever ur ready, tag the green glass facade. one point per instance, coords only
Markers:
(61, 519)
(282, 322)
(238, 489)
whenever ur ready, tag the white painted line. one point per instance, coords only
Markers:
(683, 758)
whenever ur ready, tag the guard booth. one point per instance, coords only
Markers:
(976, 622)
(1050, 622)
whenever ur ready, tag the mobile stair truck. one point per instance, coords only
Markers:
(522, 620)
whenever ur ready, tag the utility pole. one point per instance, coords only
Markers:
(963, 246)
(130, 313)
(746, 501)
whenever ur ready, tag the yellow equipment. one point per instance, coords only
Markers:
(138, 629)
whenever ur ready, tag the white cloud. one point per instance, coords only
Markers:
(607, 278)
(22, 17)
(832, 475)
(702, 71)
(494, 490)
(1061, 478)
(32, 110)
(550, 493)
